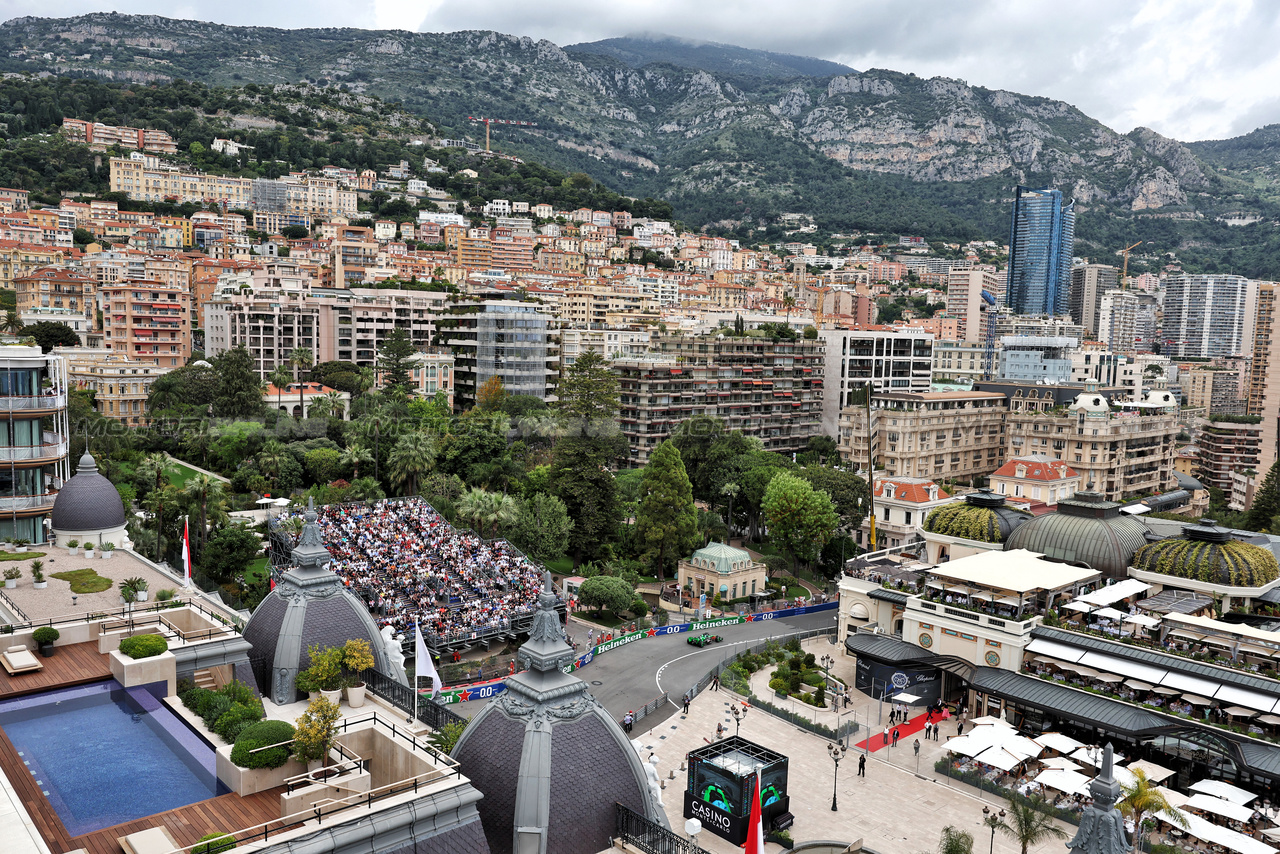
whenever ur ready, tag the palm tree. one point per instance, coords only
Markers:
(1027, 824)
(196, 443)
(155, 468)
(270, 458)
(280, 377)
(471, 506)
(293, 527)
(331, 404)
(302, 359)
(496, 473)
(412, 456)
(955, 841)
(500, 512)
(1141, 799)
(487, 511)
(365, 489)
(205, 492)
(354, 455)
(12, 323)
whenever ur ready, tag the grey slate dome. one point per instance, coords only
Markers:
(310, 606)
(1088, 529)
(549, 760)
(88, 501)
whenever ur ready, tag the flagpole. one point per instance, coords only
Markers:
(417, 665)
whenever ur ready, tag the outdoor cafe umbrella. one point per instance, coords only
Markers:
(1196, 700)
(1083, 607)
(1109, 614)
(1218, 806)
(1059, 763)
(1138, 684)
(1269, 720)
(1057, 741)
(1224, 790)
(1155, 773)
(1110, 677)
(1240, 711)
(1162, 689)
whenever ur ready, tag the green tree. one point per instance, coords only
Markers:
(393, 359)
(155, 471)
(1142, 799)
(238, 391)
(1028, 823)
(228, 553)
(49, 334)
(848, 492)
(580, 478)
(411, 458)
(271, 460)
(323, 464)
(666, 523)
(606, 593)
(12, 323)
(1266, 502)
(356, 455)
(209, 496)
(800, 519)
(955, 841)
(588, 396)
(491, 395)
(302, 359)
(694, 439)
(280, 378)
(542, 527)
(488, 512)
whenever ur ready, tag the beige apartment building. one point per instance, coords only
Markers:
(147, 321)
(964, 298)
(148, 179)
(1122, 448)
(961, 361)
(432, 372)
(20, 259)
(120, 384)
(952, 435)
(609, 342)
(1264, 377)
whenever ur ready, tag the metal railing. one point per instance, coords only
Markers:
(648, 708)
(21, 453)
(649, 836)
(430, 712)
(28, 502)
(32, 401)
(127, 613)
(13, 606)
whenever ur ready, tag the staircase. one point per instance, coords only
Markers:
(204, 679)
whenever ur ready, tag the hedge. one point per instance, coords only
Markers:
(144, 646)
(263, 734)
(214, 843)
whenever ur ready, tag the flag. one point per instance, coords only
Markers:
(422, 663)
(186, 553)
(755, 825)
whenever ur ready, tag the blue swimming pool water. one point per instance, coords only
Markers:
(103, 755)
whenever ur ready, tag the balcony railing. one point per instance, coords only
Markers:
(22, 453)
(34, 401)
(20, 503)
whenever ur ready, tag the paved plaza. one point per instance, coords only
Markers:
(892, 810)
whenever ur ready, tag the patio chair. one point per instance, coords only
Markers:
(18, 659)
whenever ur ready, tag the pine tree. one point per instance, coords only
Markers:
(1266, 502)
(239, 392)
(580, 477)
(667, 522)
(393, 359)
(588, 396)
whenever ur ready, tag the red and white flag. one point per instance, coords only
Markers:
(755, 825)
(186, 552)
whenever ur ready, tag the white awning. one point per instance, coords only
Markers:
(1082, 755)
(1224, 790)
(1061, 651)
(1057, 741)
(1060, 763)
(1155, 773)
(1194, 684)
(1243, 697)
(1109, 614)
(1209, 832)
(1115, 592)
(1077, 605)
(1071, 782)
(1142, 620)
(1218, 806)
(1123, 666)
(999, 757)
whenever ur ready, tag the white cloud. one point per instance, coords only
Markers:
(1191, 69)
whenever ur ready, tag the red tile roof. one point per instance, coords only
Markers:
(914, 492)
(1037, 470)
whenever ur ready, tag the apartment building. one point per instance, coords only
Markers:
(764, 388)
(504, 338)
(593, 305)
(958, 361)
(1215, 391)
(146, 178)
(120, 384)
(1127, 321)
(299, 199)
(60, 294)
(432, 372)
(609, 342)
(1038, 358)
(884, 358)
(147, 321)
(956, 435)
(1208, 316)
(902, 504)
(1036, 482)
(965, 301)
(1227, 443)
(100, 137)
(19, 259)
(1088, 284)
(1264, 376)
(1123, 448)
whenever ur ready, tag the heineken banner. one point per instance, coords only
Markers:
(492, 689)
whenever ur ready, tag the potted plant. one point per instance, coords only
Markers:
(37, 575)
(313, 733)
(357, 657)
(306, 683)
(11, 576)
(139, 585)
(108, 549)
(128, 593)
(45, 636)
(326, 670)
(73, 547)
(88, 549)
(22, 545)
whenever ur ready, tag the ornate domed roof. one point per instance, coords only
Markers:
(310, 606)
(88, 501)
(1208, 553)
(1086, 528)
(548, 758)
(982, 516)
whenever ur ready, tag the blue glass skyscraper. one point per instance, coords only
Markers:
(1042, 235)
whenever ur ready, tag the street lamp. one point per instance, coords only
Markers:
(992, 820)
(738, 712)
(836, 752)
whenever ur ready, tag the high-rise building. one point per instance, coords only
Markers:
(1126, 321)
(1228, 443)
(965, 301)
(1208, 316)
(886, 358)
(502, 338)
(1260, 367)
(1041, 238)
(1088, 283)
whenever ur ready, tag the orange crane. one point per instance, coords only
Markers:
(487, 122)
(1125, 273)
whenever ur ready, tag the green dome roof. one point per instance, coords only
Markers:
(1085, 529)
(982, 516)
(1208, 553)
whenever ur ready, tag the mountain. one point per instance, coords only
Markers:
(639, 51)
(878, 151)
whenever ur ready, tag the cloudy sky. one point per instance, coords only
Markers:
(1190, 69)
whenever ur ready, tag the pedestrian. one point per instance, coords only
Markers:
(715, 682)
(895, 736)
(960, 728)
(862, 764)
(686, 703)
(937, 729)
(886, 735)
(928, 729)
(720, 730)
(846, 699)
(627, 720)
(916, 746)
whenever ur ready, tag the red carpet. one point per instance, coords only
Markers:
(905, 732)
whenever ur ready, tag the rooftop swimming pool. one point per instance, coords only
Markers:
(103, 754)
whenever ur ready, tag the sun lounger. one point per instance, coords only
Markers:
(18, 659)
(153, 840)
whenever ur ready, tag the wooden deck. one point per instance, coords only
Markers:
(73, 664)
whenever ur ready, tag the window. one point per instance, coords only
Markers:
(886, 514)
(907, 517)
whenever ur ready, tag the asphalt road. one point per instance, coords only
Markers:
(626, 678)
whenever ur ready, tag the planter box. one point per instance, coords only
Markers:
(143, 671)
(39, 585)
(10, 583)
(248, 781)
(73, 552)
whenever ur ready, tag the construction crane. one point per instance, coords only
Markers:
(487, 122)
(988, 309)
(1125, 272)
